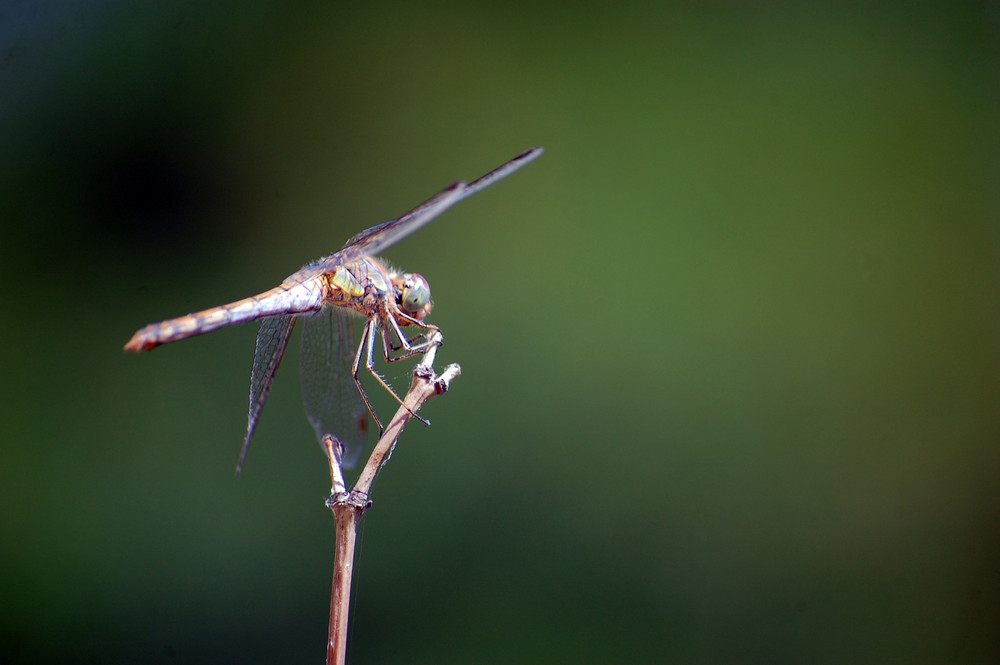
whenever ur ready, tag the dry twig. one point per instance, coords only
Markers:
(348, 506)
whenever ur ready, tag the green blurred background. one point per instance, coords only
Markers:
(731, 387)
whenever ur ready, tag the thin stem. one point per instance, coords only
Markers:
(348, 507)
(343, 571)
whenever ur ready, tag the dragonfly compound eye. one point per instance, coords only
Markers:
(416, 294)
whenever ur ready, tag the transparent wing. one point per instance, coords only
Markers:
(501, 172)
(272, 339)
(333, 403)
(372, 241)
(375, 240)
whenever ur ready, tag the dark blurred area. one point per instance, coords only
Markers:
(731, 374)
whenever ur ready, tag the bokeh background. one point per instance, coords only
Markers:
(731, 387)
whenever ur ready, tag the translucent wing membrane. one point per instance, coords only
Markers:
(373, 241)
(501, 172)
(272, 339)
(380, 237)
(333, 403)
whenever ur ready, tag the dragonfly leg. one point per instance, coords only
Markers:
(366, 343)
(367, 349)
(410, 347)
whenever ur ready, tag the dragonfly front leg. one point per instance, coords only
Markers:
(410, 347)
(367, 350)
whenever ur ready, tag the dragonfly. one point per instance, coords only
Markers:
(327, 294)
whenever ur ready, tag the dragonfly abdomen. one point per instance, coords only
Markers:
(294, 298)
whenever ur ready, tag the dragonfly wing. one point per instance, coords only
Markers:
(272, 339)
(333, 403)
(373, 241)
(501, 172)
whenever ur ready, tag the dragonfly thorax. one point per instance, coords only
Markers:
(359, 284)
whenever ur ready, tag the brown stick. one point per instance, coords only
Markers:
(348, 507)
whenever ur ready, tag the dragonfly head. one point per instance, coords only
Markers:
(413, 295)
